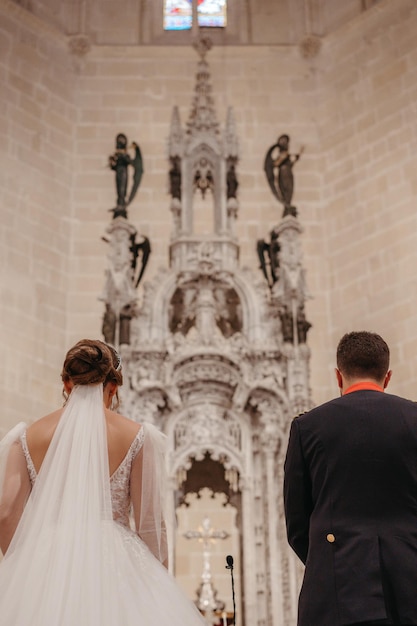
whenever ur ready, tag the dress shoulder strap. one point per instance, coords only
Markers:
(31, 468)
(137, 443)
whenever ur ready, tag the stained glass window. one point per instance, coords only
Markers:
(212, 13)
(178, 14)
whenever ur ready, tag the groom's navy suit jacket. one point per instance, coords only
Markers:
(350, 493)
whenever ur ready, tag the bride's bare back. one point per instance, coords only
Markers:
(121, 431)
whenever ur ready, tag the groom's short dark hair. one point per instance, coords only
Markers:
(363, 354)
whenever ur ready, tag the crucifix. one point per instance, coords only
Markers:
(207, 601)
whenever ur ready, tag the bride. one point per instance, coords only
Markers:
(70, 483)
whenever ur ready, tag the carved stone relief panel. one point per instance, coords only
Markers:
(208, 425)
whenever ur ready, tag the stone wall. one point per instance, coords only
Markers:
(368, 140)
(37, 120)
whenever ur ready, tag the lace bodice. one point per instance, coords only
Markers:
(119, 480)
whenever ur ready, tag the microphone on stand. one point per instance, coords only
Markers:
(229, 561)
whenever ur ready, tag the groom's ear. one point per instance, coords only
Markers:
(387, 378)
(339, 378)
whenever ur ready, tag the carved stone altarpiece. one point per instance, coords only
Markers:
(218, 359)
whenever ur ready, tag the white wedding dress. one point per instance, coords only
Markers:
(74, 560)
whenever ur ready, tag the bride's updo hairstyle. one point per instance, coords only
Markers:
(91, 362)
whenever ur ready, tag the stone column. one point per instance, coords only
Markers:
(270, 444)
(249, 555)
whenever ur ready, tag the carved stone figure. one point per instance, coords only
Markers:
(278, 170)
(231, 180)
(122, 278)
(268, 254)
(212, 308)
(303, 326)
(175, 177)
(287, 322)
(291, 288)
(119, 161)
(203, 178)
(145, 247)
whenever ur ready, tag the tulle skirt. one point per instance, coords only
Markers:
(119, 583)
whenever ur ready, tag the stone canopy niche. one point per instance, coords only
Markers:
(215, 364)
(186, 307)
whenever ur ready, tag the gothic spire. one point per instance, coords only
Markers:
(202, 117)
(230, 135)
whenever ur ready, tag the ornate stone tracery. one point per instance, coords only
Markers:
(218, 358)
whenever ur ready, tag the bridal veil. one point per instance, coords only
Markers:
(69, 563)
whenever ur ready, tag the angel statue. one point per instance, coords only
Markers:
(119, 162)
(278, 170)
(268, 255)
(145, 247)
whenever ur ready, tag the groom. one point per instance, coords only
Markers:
(350, 493)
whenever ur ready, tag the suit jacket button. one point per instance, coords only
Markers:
(331, 538)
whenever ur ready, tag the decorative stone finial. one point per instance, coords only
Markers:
(202, 45)
(310, 46)
(79, 45)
